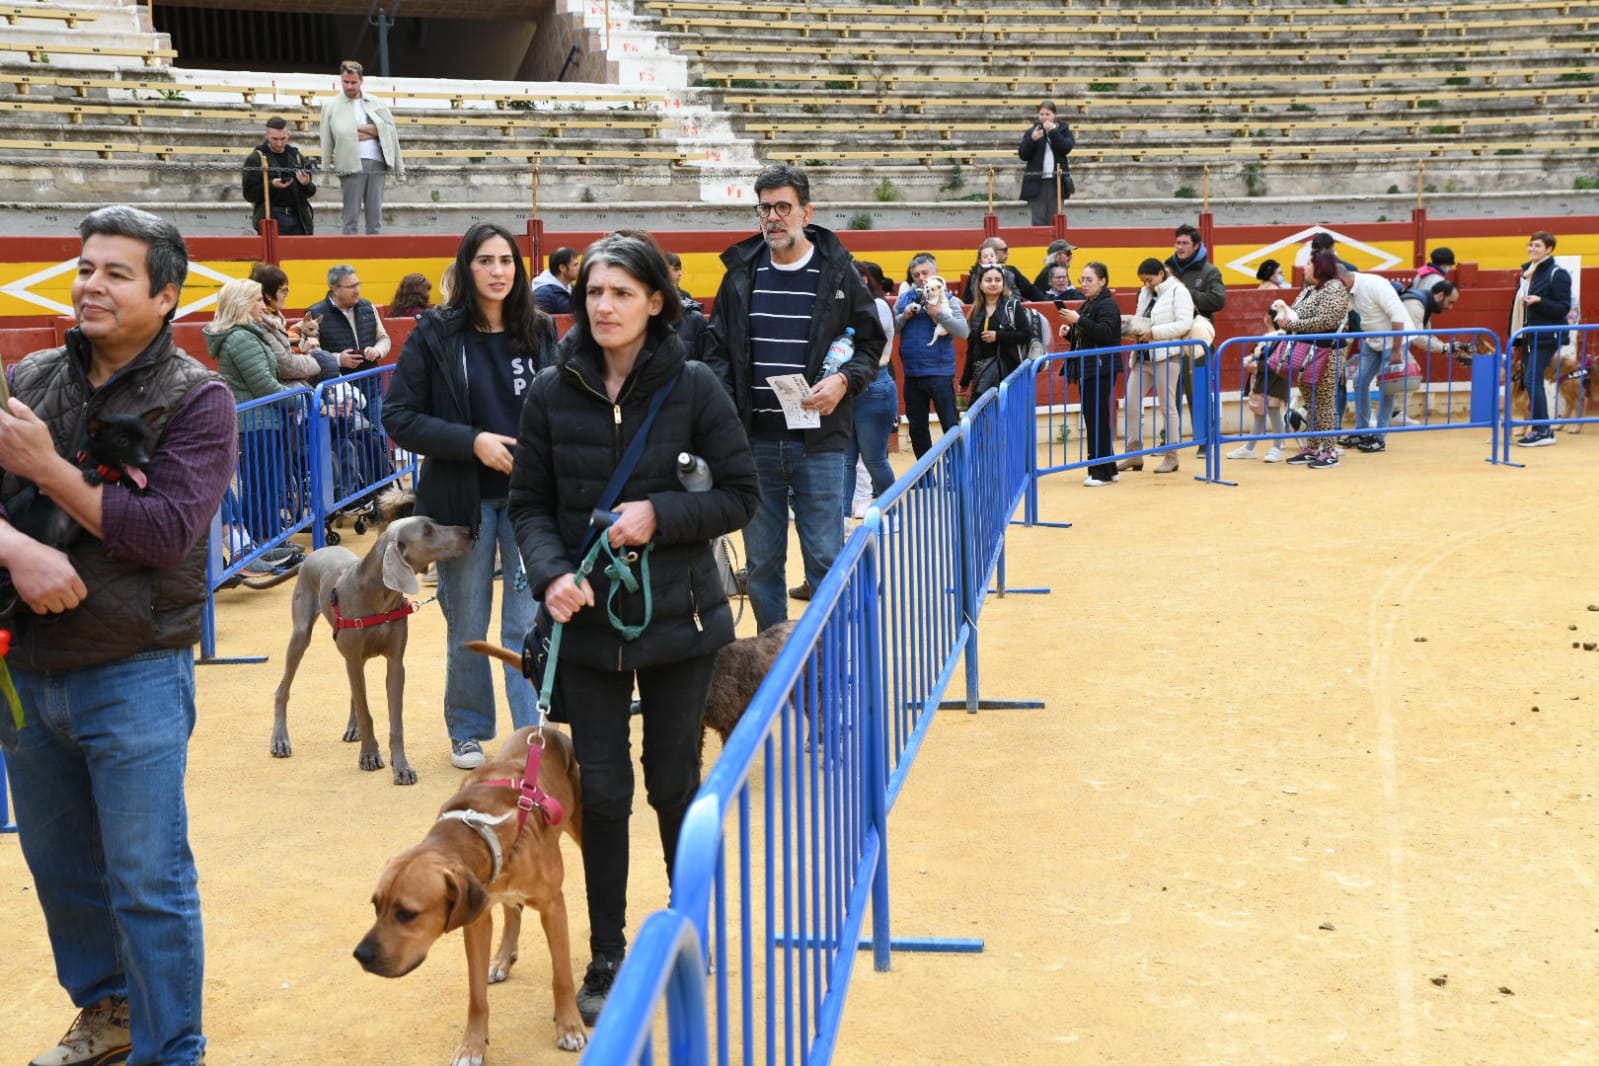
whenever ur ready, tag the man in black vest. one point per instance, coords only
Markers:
(288, 185)
(351, 328)
(102, 654)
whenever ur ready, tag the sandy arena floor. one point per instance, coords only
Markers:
(1314, 784)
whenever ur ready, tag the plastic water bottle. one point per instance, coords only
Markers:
(841, 351)
(693, 472)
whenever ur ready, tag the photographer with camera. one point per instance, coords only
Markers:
(288, 183)
(1044, 148)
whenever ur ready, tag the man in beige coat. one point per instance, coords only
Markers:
(361, 145)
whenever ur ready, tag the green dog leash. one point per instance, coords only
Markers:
(620, 571)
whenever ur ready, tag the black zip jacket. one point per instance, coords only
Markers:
(571, 439)
(426, 411)
(841, 301)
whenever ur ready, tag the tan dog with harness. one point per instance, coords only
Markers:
(497, 840)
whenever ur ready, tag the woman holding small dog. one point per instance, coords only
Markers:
(454, 399)
(623, 356)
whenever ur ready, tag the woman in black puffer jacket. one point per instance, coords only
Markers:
(577, 423)
(1094, 325)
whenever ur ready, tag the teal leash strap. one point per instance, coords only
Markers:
(547, 690)
(621, 574)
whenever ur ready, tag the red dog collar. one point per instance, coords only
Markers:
(341, 622)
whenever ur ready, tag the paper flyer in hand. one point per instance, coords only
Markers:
(791, 389)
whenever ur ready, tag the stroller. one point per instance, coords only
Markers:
(361, 466)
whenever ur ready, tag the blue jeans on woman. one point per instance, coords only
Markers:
(98, 786)
(466, 596)
(876, 417)
(1541, 348)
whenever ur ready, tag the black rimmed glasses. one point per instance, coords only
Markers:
(782, 209)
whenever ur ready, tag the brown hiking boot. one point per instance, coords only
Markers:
(99, 1037)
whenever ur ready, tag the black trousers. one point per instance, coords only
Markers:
(1099, 411)
(598, 701)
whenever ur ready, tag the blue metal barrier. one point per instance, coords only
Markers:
(306, 456)
(1058, 412)
(353, 456)
(1570, 362)
(666, 964)
(783, 853)
(268, 502)
(1435, 352)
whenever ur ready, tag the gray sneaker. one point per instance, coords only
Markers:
(597, 984)
(466, 754)
(98, 1037)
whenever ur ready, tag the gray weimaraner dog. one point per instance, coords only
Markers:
(368, 589)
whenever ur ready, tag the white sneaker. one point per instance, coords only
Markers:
(1275, 455)
(1246, 451)
(466, 754)
(1094, 482)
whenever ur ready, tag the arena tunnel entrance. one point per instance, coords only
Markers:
(500, 41)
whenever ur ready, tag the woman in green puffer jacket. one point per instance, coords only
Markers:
(236, 341)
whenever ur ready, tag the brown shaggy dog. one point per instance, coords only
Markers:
(740, 668)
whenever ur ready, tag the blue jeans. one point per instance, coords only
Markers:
(98, 785)
(876, 417)
(1541, 348)
(466, 595)
(816, 480)
(1373, 354)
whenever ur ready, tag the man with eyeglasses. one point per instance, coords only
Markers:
(789, 291)
(350, 326)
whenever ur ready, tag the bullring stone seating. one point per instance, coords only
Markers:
(71, 17)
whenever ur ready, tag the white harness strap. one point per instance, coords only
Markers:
(484, 824)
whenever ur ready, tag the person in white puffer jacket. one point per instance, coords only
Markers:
(1165, 312)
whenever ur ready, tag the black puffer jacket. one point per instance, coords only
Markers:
(426, 410)
(1099, 327)
(572, 438)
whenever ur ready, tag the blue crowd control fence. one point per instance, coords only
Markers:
(1065, 445)
(783, 855)
(1456, 373)
(1569, 369)
(666, 963)
(305, 456)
